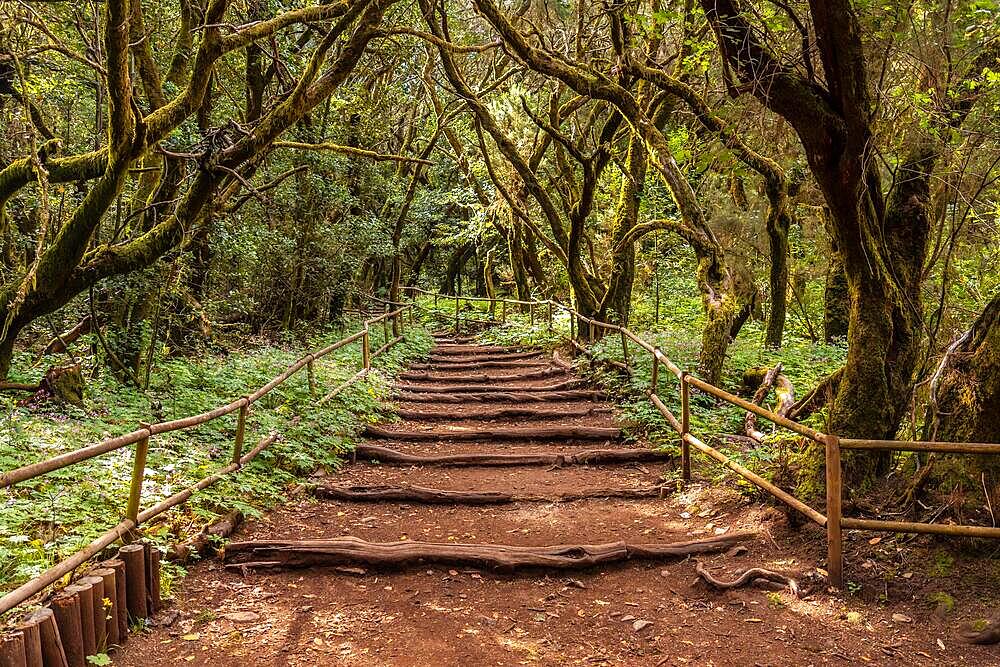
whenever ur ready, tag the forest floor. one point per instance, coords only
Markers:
(906, 603)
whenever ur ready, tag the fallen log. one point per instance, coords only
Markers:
(462, 434)
(520, 396)
(408, 493)
(585, 457)
(503, 413)
(203, 544)
(482, 377)
(498, 557)
(477, 388)
(59, 344)
(750, 420)
(754, 575)
(444, 367)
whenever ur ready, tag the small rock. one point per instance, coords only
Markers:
(853, 617)
(641, 624)
(626, 618)
(901, 618)
(738, 550)
(664, 573)
(575, 583)
(242, 616)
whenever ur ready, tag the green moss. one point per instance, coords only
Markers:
(944, 602)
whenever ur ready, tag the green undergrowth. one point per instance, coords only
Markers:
(48, 518)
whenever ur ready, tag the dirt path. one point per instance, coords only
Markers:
(633, 613)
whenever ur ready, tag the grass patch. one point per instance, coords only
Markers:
(48, 518)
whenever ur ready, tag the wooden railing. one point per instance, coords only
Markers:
(833, 521)
(134, 516)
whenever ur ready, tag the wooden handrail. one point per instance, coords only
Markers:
(141, 436)
(833, 521)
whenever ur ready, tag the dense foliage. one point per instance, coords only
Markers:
(811, 183)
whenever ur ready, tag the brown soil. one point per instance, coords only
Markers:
(436, 615)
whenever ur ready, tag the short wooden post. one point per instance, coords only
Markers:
(834, 543)
(435, 301)
(503, 311)
(685, 427)
(110, 611)
(29, 628)
(493, 309)
(457, 324)
(366, 350)
(134, 557)
(572, 328)
(66, 607)
(311, 374)
(625, 348)
(85, 594)
(385, 329)
(138, 472)
(241, 428)
(12, 652)
(654, 382)
(531, 313)
(550, 316)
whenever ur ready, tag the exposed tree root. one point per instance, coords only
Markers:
(478, 388)
(408, 493)
(753, 576)
(585, 457)
(499, 557)
(467, 434)
(504, 413)
(990, 635)
(519, 396)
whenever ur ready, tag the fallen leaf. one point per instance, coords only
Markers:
(193, 637)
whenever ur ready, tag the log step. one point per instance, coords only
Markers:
(516, 396)
(480, 349)
(443, 366)
(482, 377)
(411, 493)
(390, 456)
(462, 434)
(480, 354)
(470, 388)
(280, 554)
(521, 413)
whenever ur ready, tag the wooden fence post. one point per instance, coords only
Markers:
(366, 350)
(457, 325)
(503, 311)
(685, 427)
(625, 348)
(550, 316)
(311, 374)
(654, 383)
(138, 473)
(241, 426)
(531, 313)
(834, 543)
(385, 329)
